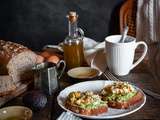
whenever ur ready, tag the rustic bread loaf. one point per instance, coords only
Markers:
(16, 60)
(6, 85)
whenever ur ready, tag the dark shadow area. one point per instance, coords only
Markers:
(35, 23)
(114, 26)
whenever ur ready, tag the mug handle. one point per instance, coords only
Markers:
(61, 62)
(143, 54)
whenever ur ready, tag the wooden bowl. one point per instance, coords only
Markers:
(15, 113)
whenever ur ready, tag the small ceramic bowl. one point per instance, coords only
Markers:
(15, 113)
(83, 73)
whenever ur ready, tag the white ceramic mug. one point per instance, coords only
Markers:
(120, 56)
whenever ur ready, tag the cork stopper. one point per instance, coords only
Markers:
(72, 16)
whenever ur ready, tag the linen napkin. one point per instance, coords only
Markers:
(68, 116)
(148, 21)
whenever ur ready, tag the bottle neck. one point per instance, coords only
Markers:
(72, 29)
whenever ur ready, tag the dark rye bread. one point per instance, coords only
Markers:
(6, 85)
(90, 112)
(16, 60)
(124, 105)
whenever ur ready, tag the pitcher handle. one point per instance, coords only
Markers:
(143, 54)
(61, 62)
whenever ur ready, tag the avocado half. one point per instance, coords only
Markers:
(35, 100)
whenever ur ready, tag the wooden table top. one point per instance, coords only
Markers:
(149, 111)
(145, 76)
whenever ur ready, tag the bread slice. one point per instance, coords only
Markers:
(90, 112)
(86, 103)
(124, 105)
(6, 85)
(20, 66)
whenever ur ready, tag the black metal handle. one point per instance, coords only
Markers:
(61, 62)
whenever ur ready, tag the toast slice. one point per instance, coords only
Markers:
(95, 111)
(126, 104)
(6, 85)
(86, 103)
(121, 95)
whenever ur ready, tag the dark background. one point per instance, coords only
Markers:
(35, 23)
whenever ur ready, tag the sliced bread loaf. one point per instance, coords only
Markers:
(17, 60)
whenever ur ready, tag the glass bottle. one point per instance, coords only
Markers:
(73, 43)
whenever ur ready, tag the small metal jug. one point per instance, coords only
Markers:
(47, 75)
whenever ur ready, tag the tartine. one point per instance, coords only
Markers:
(86, 103)
(121, 95)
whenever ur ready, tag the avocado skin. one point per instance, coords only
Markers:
(35, 100)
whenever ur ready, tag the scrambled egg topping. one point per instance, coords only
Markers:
(118, 91)
(85, 100)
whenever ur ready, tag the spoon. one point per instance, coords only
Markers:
(124, 34)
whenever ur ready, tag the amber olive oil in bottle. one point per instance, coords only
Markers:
(73, 44)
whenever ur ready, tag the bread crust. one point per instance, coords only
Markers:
(10, 49)
(125, 105)
(89, 112)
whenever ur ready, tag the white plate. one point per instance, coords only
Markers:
(96, 86)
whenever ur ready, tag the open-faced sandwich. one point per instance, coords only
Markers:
(121, 95)
(86, 103)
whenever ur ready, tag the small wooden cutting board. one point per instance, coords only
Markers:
(21, 88)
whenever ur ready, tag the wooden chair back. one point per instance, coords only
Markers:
(128, 16)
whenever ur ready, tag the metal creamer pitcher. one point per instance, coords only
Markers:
(47, 75)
